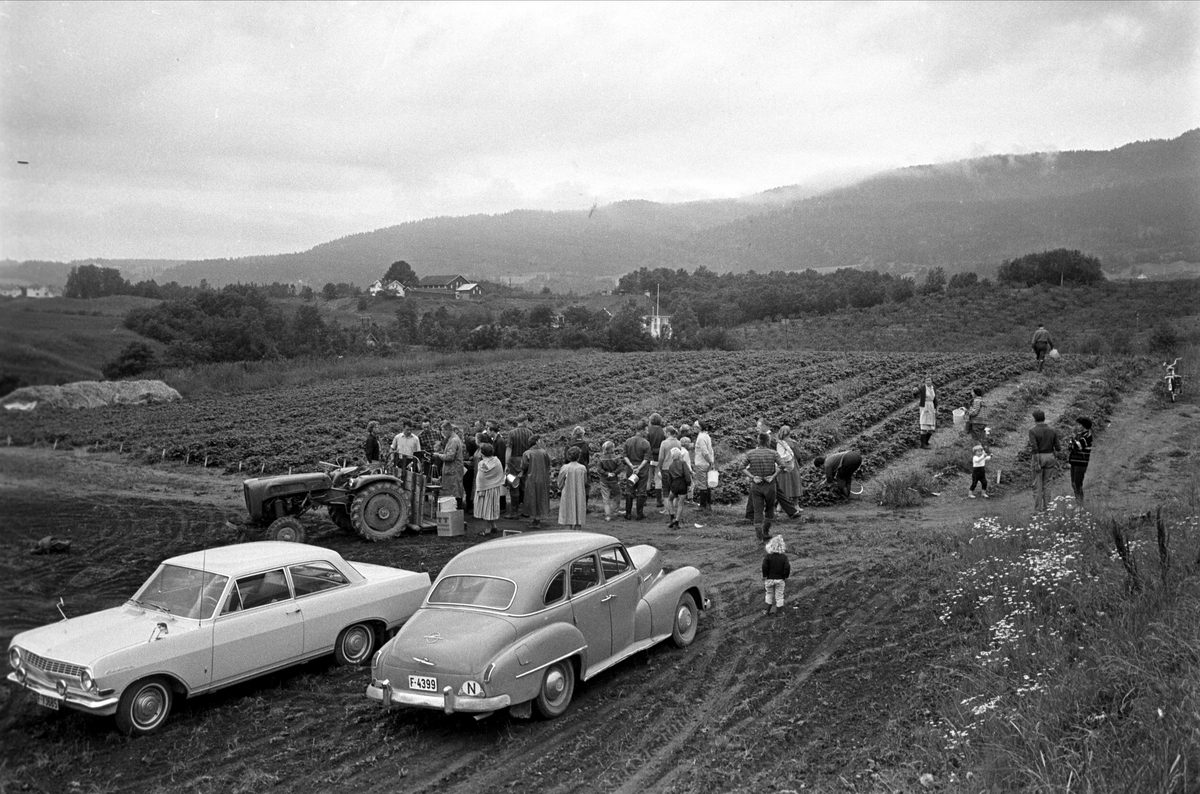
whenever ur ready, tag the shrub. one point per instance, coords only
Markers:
(136, 358)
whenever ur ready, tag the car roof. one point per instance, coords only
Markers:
(247, 557)
(522, 556)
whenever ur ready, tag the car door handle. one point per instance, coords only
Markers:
(295, 611)
(609, 597)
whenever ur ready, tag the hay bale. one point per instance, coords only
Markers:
(91, 394)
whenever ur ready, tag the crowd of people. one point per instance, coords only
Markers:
(493, 471)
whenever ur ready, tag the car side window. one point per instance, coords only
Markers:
(260, 589)
(313, 577)
(584, 574)
(614, 562)
(557, 589)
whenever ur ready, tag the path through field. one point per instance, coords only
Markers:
(822, 696)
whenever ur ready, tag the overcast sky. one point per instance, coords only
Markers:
(164, 130)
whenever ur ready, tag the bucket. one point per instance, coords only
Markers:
(714, 477)
(511, 480)
(960, 417)
(633, 480)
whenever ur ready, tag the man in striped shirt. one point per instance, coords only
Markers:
(762, 467)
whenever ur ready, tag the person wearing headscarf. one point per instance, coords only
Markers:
(489, 482)
(927, 409)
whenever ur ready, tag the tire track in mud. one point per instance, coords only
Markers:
(660, 768)
(620, 721)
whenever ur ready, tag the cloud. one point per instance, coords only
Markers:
(338, 117)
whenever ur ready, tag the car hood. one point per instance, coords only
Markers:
(456, 641)
(85, 639)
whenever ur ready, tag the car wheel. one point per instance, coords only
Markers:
(287, 529)
(355, 645)
(684, 630)
(380, 511)
(558, 687)
(144, 706)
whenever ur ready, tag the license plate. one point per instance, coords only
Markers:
(48, 702)
(423, 683)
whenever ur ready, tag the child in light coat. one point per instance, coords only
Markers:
(979, 461)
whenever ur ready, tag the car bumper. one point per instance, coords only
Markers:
(448, 702)
(100, 706)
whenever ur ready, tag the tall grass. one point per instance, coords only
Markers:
(251, 376)
(1081, 666)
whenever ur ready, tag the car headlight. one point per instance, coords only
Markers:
(14, 658)
(86, 680)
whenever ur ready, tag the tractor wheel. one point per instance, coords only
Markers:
(287, 528)
(340, 516)
(380, 511)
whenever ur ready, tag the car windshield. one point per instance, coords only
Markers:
(475, 591)
(184, 592)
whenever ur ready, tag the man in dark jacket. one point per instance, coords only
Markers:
(520, 439)
(371, 445)
(637, 463)
(1079, 456)
(1043, 443)
(655, 434)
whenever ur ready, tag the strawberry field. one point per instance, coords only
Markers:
(831, 400)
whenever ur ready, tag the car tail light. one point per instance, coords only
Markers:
(487, 673)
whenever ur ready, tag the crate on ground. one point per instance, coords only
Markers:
(450, 524)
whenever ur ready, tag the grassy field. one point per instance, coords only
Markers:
(60, 340)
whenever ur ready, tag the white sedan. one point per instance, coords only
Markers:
(210, 619)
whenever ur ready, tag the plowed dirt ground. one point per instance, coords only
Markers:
(825, 696)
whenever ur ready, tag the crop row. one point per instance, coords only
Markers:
(827, 397)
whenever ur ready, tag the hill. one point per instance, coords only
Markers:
(59, 340)
(1131, 206)
(1135, 204)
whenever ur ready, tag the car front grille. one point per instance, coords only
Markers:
(52, 665)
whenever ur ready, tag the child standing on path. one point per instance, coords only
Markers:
(776, 569)
(979, 470)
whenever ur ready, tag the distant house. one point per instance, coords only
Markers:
(659, 325)
(41, 292)
(11, 292)
(391, 288)
(448, 283)
(468, 290)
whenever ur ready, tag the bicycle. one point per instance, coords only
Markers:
(1173, 383)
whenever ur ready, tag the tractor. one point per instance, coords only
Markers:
(365, 499)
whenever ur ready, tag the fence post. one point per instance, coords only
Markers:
(206, 461)
(56, 443)
(187, 458)
(164, 455)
